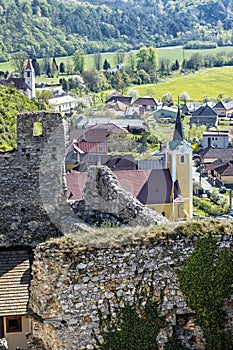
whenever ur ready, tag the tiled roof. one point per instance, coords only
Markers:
(14, 282)
(225, 169)
(87, 147)
(211, 152)
(145, 101)
(204, 111)
(97, 133)
(29, 65)
(148, 186)
(124, 99)
(19, 83)
(110, 127)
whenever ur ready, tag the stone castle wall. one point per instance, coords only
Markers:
(71, 283)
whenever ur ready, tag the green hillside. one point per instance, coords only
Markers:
(59, 27)
(12, 102)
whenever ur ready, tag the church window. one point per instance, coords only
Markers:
(28, 74)
(182, 159)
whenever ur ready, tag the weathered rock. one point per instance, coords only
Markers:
(104, 200)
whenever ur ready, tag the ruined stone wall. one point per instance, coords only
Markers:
(32, 199)
(71, 283)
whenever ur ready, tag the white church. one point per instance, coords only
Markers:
(25, 84)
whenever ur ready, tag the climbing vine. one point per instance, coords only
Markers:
(136, 326)
(206, 280)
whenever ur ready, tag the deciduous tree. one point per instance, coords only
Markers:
(79, 61)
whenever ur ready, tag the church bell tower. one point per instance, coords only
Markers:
(29, 78)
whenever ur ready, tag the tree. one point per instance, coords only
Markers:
(54, 68)
(184, 97)
(106, 64)
(94, 80)
(131, 63)
(62, 67)
(144, 76)
(97, 60)
(19, 61)
(119, 56)
(36, 67)
(147, 59)
(167, 99)
(65, 85)
(79, 61)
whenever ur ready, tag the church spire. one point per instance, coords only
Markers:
(178, 132)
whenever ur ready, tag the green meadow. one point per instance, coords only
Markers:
(209, 82)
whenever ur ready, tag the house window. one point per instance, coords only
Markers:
(37, 129)
(13, 324)
(182, 159)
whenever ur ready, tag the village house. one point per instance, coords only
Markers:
(215, 138)
(224, 109)
(63, 103)
(149, 104)
(204, 115)
(165, 114)
(211, 154)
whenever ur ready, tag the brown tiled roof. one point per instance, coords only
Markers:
(19, 83)
(148, 186)
(14, 282)
(145, 101)
(87, 147)
(211, 152)
(97, 133)
(29, 64)
(124, 99)
(225, 169)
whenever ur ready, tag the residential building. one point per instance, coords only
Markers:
(165, 113)
(215, 138)
(149, 104)
(204, 115)
(211, 154)
(63, 103)
(224, 109)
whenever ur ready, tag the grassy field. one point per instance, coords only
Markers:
(210, 82)
(172, 53)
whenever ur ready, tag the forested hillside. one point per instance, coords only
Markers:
(60, 27)
(12, 102)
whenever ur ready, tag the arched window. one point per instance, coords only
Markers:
(182, 159)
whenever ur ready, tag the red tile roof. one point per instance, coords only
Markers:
(97, 133)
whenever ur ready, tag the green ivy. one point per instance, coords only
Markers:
(136, 326)
(206, 280)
